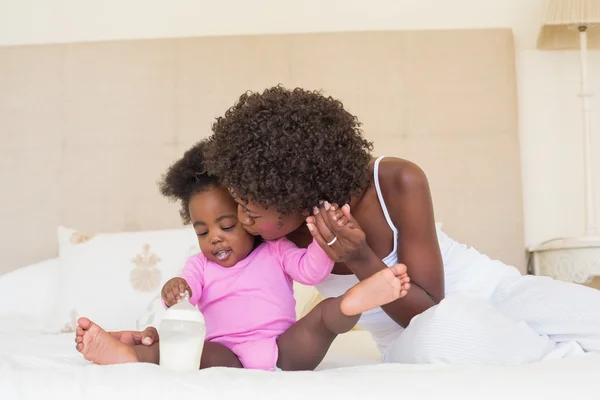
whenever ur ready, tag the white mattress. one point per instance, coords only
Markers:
(34, 366)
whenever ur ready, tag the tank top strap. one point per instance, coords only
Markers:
(391, 258)
(380, 195)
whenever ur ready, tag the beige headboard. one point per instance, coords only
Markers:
(87, 129)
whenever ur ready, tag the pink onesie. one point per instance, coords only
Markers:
(248, 306)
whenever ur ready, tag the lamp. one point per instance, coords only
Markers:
(570, 25)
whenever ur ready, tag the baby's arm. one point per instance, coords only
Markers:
(191, 279)
(307, 266)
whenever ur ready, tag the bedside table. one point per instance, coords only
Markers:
(570, 259)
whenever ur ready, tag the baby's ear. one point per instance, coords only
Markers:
(306, 213)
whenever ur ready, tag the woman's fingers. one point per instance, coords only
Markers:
(149, 336)
(321, 218)
(351, 221)
(314, 231)
(335, 230)
(332, 216)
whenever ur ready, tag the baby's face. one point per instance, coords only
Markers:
(221, 237)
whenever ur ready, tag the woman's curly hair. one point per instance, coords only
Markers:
(289, 149)
(186, 177)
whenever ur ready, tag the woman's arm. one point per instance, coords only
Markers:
(406, 192)
(408, 198)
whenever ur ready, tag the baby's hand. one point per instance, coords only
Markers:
(338, 235)
(336, 216)
(174, 290)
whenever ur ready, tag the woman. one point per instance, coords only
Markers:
(282, 151)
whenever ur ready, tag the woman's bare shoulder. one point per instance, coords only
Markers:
(399, 176)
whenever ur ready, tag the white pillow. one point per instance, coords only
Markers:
(111, 278)
(30, 291)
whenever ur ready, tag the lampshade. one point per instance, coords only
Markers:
(561, 20)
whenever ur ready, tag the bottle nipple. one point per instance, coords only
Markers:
(185, 296)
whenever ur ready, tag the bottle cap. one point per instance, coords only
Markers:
(184, 311)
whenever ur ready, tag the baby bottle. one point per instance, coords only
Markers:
(182, 333)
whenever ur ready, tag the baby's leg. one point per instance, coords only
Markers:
(213, 355)
(217, 355)
(304, 345)
(102, 348)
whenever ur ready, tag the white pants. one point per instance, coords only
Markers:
(526, 319)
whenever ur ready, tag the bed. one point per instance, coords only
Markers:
(35, 364)
(60, 374)
(87, 129)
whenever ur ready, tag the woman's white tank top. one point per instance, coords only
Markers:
(465, 270)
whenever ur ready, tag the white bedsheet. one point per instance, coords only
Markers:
(34, 366)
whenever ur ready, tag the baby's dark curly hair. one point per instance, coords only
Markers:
(186, 177)
(289, 149)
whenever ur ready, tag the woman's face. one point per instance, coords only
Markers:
(267, 222)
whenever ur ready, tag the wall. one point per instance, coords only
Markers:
(548, 82)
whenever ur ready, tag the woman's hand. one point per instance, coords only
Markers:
(131, 338)
(337, 232)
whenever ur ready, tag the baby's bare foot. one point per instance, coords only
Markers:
(382, 288)
(100, 347)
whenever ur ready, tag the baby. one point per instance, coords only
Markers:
(244, 287)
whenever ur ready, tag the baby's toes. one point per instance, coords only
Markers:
(399, 270)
